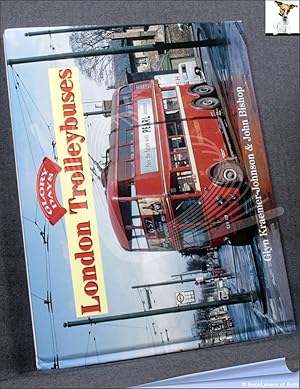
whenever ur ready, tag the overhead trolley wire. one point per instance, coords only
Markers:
(34, 222)
(20, 82)
(38, 297)
(31, 121)
(24, 124)
(48, 125)
(44, 233)
(23, 101)
(87, 347)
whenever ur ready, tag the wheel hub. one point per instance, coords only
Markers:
(230, 174)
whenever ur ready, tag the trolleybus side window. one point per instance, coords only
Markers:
(126, 137)
(125, 170)
(170, 103)
(125, 99)
(176, 142)
(126, 152)
(182, 182)
(169, 99)
(125, 109)
(126, 89)
(127, 188)
(175, 131)
(125, 106)
(180, 158)
(196, 236)
(133, 224)
(139, 241)
(168, 93)
(125, 123)
(125, 131)
(126, 149)
(135, 213)
(189, 213)
(130, 214)
(174, 128)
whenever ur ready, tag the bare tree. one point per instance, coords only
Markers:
(95, 68)
(198, 263)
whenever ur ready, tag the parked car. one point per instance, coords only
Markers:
(217, 271)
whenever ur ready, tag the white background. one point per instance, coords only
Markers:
(272, 13)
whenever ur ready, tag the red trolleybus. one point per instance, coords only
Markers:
(172, 181)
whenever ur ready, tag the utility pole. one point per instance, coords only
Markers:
(75, 29)
(153, 325)
(161, 47)
(237, 298)
(162, 339)
(148, 298)
(188, 273)
(168, 339)
(181, 281)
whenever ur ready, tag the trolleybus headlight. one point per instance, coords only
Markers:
(220, 200)
(226, 240)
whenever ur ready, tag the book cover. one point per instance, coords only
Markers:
(148, 216)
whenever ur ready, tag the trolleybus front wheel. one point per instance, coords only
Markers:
(207, 102)
(227, 173)
(242, 237)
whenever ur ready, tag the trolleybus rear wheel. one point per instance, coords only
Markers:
(207, 102)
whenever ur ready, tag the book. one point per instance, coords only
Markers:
(147, 208)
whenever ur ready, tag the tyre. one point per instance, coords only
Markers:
(203, 89)
(227, 173)
(243, 237)
(207, 102)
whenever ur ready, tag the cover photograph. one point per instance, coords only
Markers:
(147, 209)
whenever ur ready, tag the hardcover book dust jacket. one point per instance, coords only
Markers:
(147, 209)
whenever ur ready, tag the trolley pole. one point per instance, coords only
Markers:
(238, 298)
